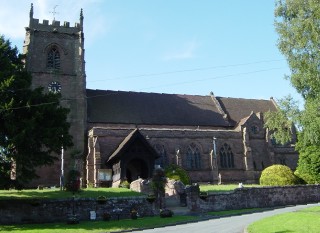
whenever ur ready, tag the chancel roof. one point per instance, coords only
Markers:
(121, 107)
(237, 108)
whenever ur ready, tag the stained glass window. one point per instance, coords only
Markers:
(162, 161)
(226, 157)
(193, 157)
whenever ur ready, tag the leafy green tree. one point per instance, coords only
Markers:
(33, 125)
(175, 172)
(282, 123)
(159, 181)
(309, 164)
(298, 26)
(309, 144)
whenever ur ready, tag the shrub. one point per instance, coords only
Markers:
(175, 172)
(124, 184)
(166, 213)
(106, 216)
(203, 195)
(278, 175)
(73, 181)
(151, 198)
(133, 214)
(102, 199)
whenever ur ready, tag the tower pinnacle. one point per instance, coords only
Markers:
(81, 18)
(31, 11)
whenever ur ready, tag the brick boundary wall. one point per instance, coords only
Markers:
(45, 211)
(259, 197)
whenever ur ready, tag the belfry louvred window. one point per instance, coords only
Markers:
(53, 60)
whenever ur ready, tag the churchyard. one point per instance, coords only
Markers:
(99, 226)
(306, 216)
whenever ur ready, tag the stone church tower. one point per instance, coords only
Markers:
(55, 58)
(215, 139)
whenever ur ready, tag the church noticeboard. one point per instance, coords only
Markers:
(105, 174)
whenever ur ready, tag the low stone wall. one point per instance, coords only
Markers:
(43, 211)
(259, 197)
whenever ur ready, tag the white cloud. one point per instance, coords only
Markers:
(186, 51)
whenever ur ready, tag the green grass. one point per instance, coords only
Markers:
(306, 220)
(95, 192)
(56, 193)
(97, 226)
(223, 188)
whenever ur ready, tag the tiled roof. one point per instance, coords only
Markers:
(121, 107)
(134, 135)
(123, 144)
(152, 109)
(237, 108)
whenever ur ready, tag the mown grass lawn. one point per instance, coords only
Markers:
(224, 187)
(306, 220)
(97, 226)
(57, 194)
(95, 192)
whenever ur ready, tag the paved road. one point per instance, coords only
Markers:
(235, 224)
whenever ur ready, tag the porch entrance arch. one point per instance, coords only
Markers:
(135, 169)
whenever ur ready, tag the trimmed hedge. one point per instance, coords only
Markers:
(278, 175)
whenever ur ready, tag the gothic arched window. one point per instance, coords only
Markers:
(226, 157)
(53, 58)
(163, 159)
(193, 157)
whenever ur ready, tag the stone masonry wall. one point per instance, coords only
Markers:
(263, 197)
(41, 211)
(44, 211)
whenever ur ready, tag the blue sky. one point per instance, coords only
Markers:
(170, 46)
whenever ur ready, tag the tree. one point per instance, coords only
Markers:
(309, 164)
(176, 172)
(298, 26)
(159, 181)
(33, 125)
(309, 143)
(282, 123)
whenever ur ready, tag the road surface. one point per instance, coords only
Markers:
(235, 224)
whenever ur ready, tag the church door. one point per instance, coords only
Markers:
(136, 169)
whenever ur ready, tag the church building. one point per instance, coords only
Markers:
(121, 135)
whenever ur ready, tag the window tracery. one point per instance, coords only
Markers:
(226, 157)
(193, 157)
(162, 161)
(53, 58)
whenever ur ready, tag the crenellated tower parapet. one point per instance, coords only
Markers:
(54, 25)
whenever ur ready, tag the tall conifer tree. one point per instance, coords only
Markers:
(33, 125)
